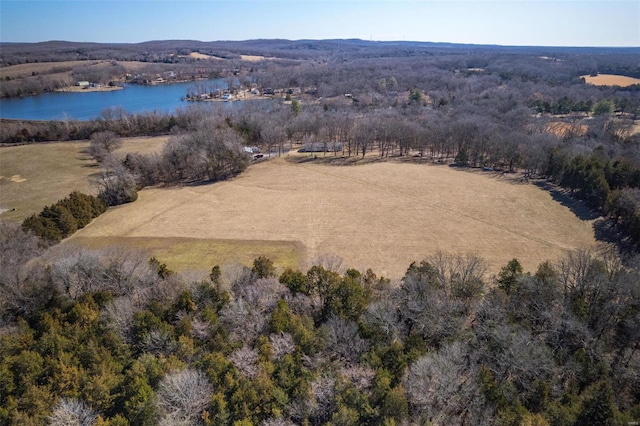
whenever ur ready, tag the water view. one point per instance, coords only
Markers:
(86, 106)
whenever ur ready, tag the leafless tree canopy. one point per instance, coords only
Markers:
(183, 395)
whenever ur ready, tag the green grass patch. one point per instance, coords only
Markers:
(184, 254)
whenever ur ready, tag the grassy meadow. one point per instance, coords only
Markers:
(33, 176)
(380, 215)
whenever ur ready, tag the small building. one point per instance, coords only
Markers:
(83, 84)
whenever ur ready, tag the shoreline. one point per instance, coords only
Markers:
(244, 95)
(77, 89)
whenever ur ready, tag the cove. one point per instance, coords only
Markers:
(86, 106)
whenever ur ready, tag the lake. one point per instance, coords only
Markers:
(133, 98)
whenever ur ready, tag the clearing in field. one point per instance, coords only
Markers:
(381, 216)
(611, 80)
(563, 129)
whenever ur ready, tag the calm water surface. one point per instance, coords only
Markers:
(86, 106)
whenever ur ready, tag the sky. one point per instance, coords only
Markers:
(614, 23)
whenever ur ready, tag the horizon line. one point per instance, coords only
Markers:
(370, 41)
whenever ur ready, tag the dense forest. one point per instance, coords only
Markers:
(111, 337)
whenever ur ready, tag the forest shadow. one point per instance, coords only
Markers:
(577, 207)
(605, 230)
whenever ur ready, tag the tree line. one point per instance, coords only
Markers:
(110, 337)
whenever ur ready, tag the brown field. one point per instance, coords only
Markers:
(63, 70)
(36, 175)
(381, 216)
(563, 129)
(26, 70)
(252, 58)
(611, 80)
(198, 55)
(249, 58)
(142, 145)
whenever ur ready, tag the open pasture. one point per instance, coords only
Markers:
(249, 58)
(36, 175)
(611, 80)
(381, 216)
(65, 68)
(198, 55)
(30, 69)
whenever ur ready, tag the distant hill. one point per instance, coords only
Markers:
(12, 53)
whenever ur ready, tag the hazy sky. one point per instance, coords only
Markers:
(506, 22)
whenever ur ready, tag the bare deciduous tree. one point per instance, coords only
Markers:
(102, 144)
(343, 341)
(441, 388)
(118, 316)
(72, 412)
(183, 395)
(243, 322)
(323, 398)
(279, 421)
(383, 315)
(245, 360)
(282, 344)
(77, 271)
(360, 376)
(17, 294)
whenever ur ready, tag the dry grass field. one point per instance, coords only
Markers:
(198, 55)
(26, 70)
(142, 145)
(33, 176)
(252, 58)
(249, 58)
(381, 216)
(36, 175)
(59, 69)
(611, 80)
(563, 129)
